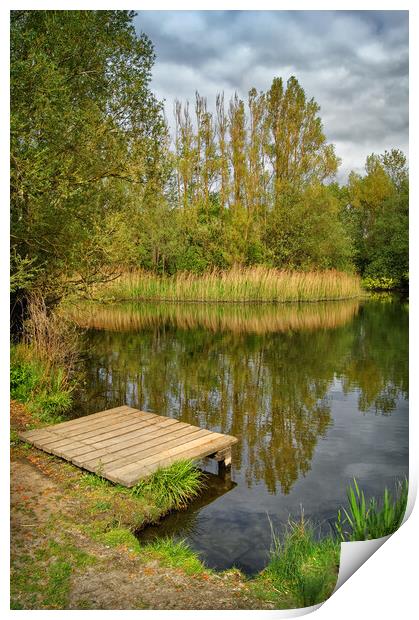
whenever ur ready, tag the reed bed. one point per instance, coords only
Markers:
(255, 284)
(237, 318)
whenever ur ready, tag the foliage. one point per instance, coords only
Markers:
(96, 188)
(380, 283)
(173, 486)
(304, 231)
(365, 521)
(302, 571)
(377, 218)
(87, 137)
(24, 378)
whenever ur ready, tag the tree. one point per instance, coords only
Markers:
(377, 217)
(296, 146)
(87, 137)
(305, 232)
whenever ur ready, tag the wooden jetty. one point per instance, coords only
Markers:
(125, 445)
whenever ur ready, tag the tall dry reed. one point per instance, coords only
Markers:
(50, 339)
(254, 284)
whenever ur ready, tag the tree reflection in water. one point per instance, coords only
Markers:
(261, 373)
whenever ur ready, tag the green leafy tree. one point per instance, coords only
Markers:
(377, 218)
(87, 137)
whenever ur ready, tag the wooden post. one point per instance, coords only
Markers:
(224, 461)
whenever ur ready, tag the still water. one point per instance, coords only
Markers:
(315, 393)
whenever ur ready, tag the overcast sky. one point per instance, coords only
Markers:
(355, 65)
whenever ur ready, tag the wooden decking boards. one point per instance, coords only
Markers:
(125, 445)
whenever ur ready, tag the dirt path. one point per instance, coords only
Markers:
(55, 563)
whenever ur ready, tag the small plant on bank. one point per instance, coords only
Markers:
(174, 486)
(175, 553)
(42, 366)
(302, 570)
(366, 521)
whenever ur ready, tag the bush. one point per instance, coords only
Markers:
(381, 283)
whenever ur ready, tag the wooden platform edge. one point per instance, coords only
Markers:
(48, 441)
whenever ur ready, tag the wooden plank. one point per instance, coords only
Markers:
(83, 447)
(113, 430)
(39, 443)
(143, 463)
(80, 449)
(36, 434)
(121, 417)
(191, 454)
(142, 432)
(94, 416)
(128, 446)
(124, 444)
(155, 446)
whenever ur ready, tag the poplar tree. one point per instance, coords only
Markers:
(222, 131)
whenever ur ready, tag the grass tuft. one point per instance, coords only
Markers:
(176, 554)
(120, 536)
(375, 519)
(172, 487)
(302, 571)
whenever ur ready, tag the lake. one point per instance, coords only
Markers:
(316, 393)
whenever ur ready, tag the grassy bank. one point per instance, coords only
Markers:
(256, 284)
(302, 571)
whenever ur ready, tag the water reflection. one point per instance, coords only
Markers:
(237, 318)
(271, 389)
(188, 521)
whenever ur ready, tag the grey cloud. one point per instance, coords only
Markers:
(354, 63)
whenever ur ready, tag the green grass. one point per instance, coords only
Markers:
(364, 520)
(172, 487)
(43, 389)
(176, 554)
(302, 571)
(121, 537)
(170, 552)
(255, 284)
(43, 581)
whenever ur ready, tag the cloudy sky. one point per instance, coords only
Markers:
(355, 64)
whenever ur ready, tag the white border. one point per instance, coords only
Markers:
(386, 586)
